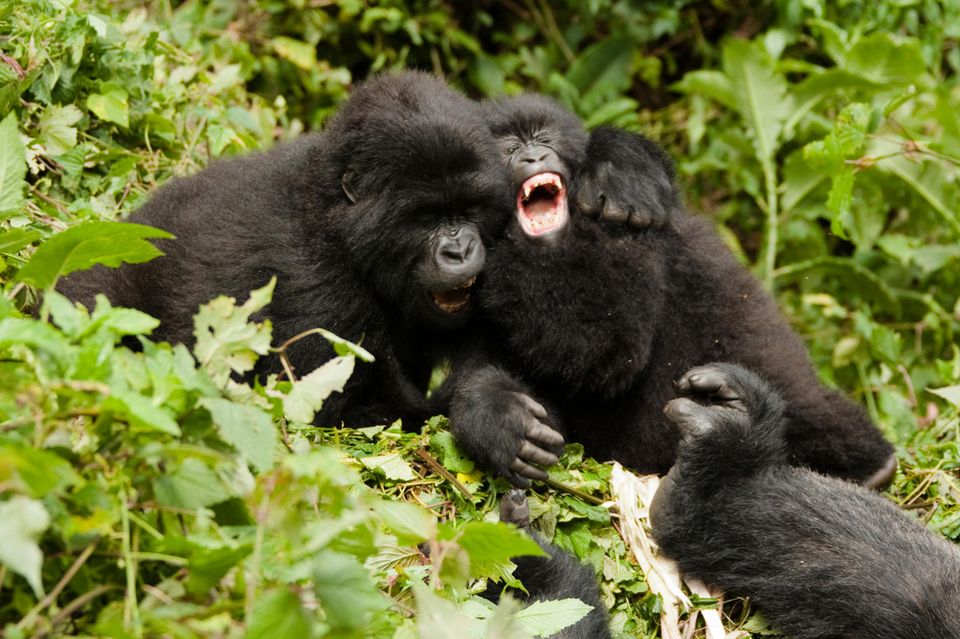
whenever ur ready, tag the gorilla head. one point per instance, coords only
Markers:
(422, 191)
(544, 147)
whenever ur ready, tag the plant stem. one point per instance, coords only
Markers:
(773, 218)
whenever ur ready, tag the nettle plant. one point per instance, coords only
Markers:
(151, 490)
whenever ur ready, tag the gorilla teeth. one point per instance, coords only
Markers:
(453, 300)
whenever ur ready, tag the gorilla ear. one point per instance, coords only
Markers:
(346, 183)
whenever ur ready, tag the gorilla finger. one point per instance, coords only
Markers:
(702, 379)
(523, 469)
(544, 435)
(534, 407)
(517, 481)
(534, 455)
(614, 212)
(640, 219)
(691, 417)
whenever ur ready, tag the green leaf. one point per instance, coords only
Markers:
(861, 279)
(13, 167)
(142, 412)
(928, 181)
(192, 485)
(392, 466)
(345, 347)
(949, 393)
(491, 546)
(712, 84)
(547, 618)
(438, 618)
(602, 70)
(296, 51)
(411, 524)
(13, 240)
(21, 522)
(279, 614)
(111, 105)
(226, 339)
(449, 454)
(35, 471)
(57, 132)
(760, 94)
(885, 58)
(84, 245)
(309, 392)
(27, 332)
(345, 590)
(247, 428)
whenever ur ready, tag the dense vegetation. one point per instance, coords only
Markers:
(148, 494)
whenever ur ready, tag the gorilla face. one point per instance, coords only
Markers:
(543, 146)
(424, 193)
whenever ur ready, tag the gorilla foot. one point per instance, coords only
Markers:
(514, 508)
(717, 390)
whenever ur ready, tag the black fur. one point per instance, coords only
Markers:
(822, 558)
(358, 224)
(557, 576)
(599, 321)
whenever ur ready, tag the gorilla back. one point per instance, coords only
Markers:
(375, 230)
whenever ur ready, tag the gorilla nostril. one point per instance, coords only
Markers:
(453, 253)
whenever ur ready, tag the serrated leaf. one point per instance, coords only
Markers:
(760, 93)
(13, 167)
(547, 618)
(247, 428)
(57, 132)
(393, 466)
(110, 106)
(226, 340)
(444, 446)
(309, 392)
(279, 614)
(22, 520)
(84, 245)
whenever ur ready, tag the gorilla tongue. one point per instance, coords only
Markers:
(542, 204)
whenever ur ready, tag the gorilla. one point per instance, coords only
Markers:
(820, 557)
(557, 576)
(587, 323)
(375, 229)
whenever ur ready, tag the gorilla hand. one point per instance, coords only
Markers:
(626, 180)
(500, 426)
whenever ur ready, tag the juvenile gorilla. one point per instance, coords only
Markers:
(375, 230)
(821, 558)
(557, 576)
(596, 321)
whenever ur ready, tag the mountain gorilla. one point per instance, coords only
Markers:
(819, 557)
(375, 229)
(587, 325)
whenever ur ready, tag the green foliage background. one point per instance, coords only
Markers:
(147, 494)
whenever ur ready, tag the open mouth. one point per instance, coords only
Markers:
(453, 300)
(542, 204)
